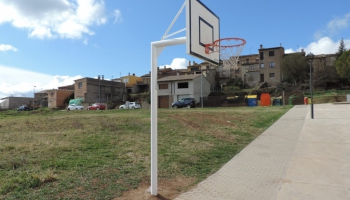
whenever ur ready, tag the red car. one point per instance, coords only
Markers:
(97, 106)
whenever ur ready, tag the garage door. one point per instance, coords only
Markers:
(163, 101)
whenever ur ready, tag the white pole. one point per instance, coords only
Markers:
(154, 122)
(156, 49)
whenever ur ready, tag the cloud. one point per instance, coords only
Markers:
(117, 16)
(289, 50)
(339, 23)
(334, 26)
(20, 83)
(6, 47)
(324, 45)
(178, 63)
(54, 18)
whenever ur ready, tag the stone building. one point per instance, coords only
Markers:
(14, 102)
(93, 90)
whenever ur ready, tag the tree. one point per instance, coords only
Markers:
(295, 68)
(324, 72)
(341, 48)
(343, 65)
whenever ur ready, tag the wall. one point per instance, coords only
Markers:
(276, 70)
(15, 102)
(95, 90)
(56, 98)
(200, 86)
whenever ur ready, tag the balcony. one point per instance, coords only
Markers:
(255, 62)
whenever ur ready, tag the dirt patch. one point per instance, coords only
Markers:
(167, 189)
(203, 122)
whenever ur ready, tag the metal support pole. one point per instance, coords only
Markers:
(311, 96)
(201, 87)
(34, 98)
(156, 49)
(99, 91)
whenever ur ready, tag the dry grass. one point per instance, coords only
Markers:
(103, 154)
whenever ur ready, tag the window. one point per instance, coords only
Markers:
(271, 74)
(237, 71)
(261, 55)
(247, 60)
(262, 65)
(195, 69)
(182, 85)
(80, 84)
(272, 64)
(163, 86)
(271, 53)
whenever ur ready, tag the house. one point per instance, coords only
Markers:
(144, 85)
(208, 70)
(56, 98)
(248, 69)
(8, 103)
(325, 73)
(93, 90)
(270, 64)
(130, 82)
(173, 88)
(41, 98)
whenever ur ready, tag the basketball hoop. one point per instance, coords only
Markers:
(229, 48)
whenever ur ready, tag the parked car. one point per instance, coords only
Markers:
(97, 106)
(185, 103)
(75, 107)
(132, 105)
(23, 108)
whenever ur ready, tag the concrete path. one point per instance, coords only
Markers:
(296, 158)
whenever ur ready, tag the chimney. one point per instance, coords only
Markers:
(261, 46)
(133, 74)
(98, 77)
(103, 77)
(164, 67)
(302, 50)
(189, 63)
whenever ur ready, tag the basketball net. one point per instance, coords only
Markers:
(229, 48)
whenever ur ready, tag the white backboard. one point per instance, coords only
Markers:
(202, 27)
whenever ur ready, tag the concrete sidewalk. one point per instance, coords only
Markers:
(296, 158)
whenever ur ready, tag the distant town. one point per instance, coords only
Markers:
(198, 81)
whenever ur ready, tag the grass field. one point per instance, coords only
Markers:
(102, 154)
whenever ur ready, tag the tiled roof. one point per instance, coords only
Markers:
(179, 78)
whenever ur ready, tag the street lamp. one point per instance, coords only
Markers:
(34, 97)
(310, 58)
(99, 88)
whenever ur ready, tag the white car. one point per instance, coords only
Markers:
(132, 105)
(75, 107)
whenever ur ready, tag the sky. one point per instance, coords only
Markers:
(47, 44)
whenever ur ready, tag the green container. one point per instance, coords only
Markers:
(290, 99)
